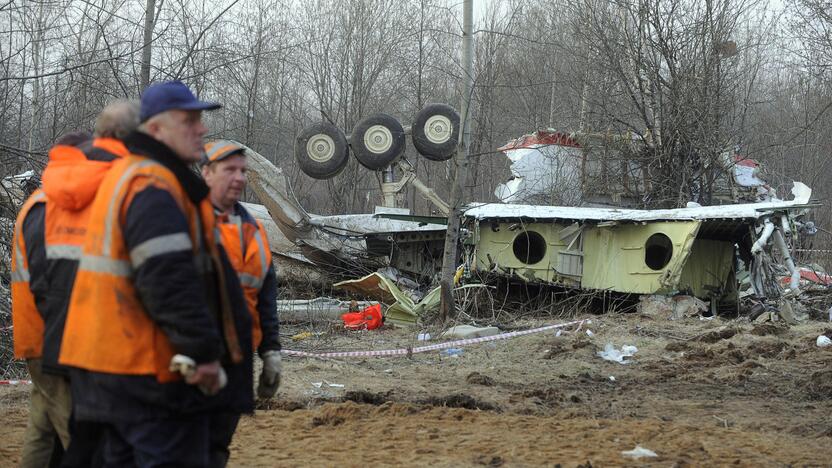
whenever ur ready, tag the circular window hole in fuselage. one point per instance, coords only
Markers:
(529, 247)
(658, 251)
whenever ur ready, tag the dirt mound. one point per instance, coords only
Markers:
(677, 346)
(334, 415)
(819, 385)
(768, 349)
(459, 400)
(718, 335)
(362, 396)
(765, 329)
(715, 356)
(282, 405)
(475, 378)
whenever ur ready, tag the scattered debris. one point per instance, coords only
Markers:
(672, 308)
(331, 385)
(639, 452)
(469, 331)
(302, 336)
(423, 336)
(610, 353)
(791, 311)
(452, 352)
(823, 341)
(402, 310)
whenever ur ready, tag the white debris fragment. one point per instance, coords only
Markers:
(824, 341)
(639, 452)
(469, 331)
(612, 378)
(589, 333)
(423, 337)
(610, 353)
(332, 385)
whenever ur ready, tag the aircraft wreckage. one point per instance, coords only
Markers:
(698, 250)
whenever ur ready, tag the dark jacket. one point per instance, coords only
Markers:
(177, 298)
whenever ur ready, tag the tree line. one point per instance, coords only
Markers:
(689, 78)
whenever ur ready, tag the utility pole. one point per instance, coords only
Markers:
(460, 165)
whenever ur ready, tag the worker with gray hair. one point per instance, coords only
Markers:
(49, 233)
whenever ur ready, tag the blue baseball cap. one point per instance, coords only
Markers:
(171, 95)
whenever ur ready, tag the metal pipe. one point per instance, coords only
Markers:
(388, 188)
(780, 242)
(784, 225)
(763, 239)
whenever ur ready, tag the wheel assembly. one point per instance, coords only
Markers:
(322, 150)
(435, 132)
(377, 141)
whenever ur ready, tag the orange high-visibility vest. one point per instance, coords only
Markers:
(248, 250)
(27, 322)
(71, 181)
(107, 328)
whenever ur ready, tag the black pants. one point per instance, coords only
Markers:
(86, 445)
(223, 426)
(181, 441)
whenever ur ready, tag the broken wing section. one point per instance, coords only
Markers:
(320, 245)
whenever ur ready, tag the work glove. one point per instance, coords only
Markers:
(270, 377)
(209, 377)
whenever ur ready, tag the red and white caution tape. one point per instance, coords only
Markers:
(433, 347)
(15, 382)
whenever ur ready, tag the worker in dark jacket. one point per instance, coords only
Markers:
(244, 239)
(157, 334)
(52, 231)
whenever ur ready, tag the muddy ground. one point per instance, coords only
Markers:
(697, 393)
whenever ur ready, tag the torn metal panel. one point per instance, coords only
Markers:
(402, 309)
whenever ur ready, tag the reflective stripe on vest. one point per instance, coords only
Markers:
(63, 252)
(160, 245)
(112, 207)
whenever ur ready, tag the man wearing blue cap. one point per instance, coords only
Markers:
(158, 335)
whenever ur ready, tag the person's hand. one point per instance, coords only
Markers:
(270, 377)
(209, 377)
